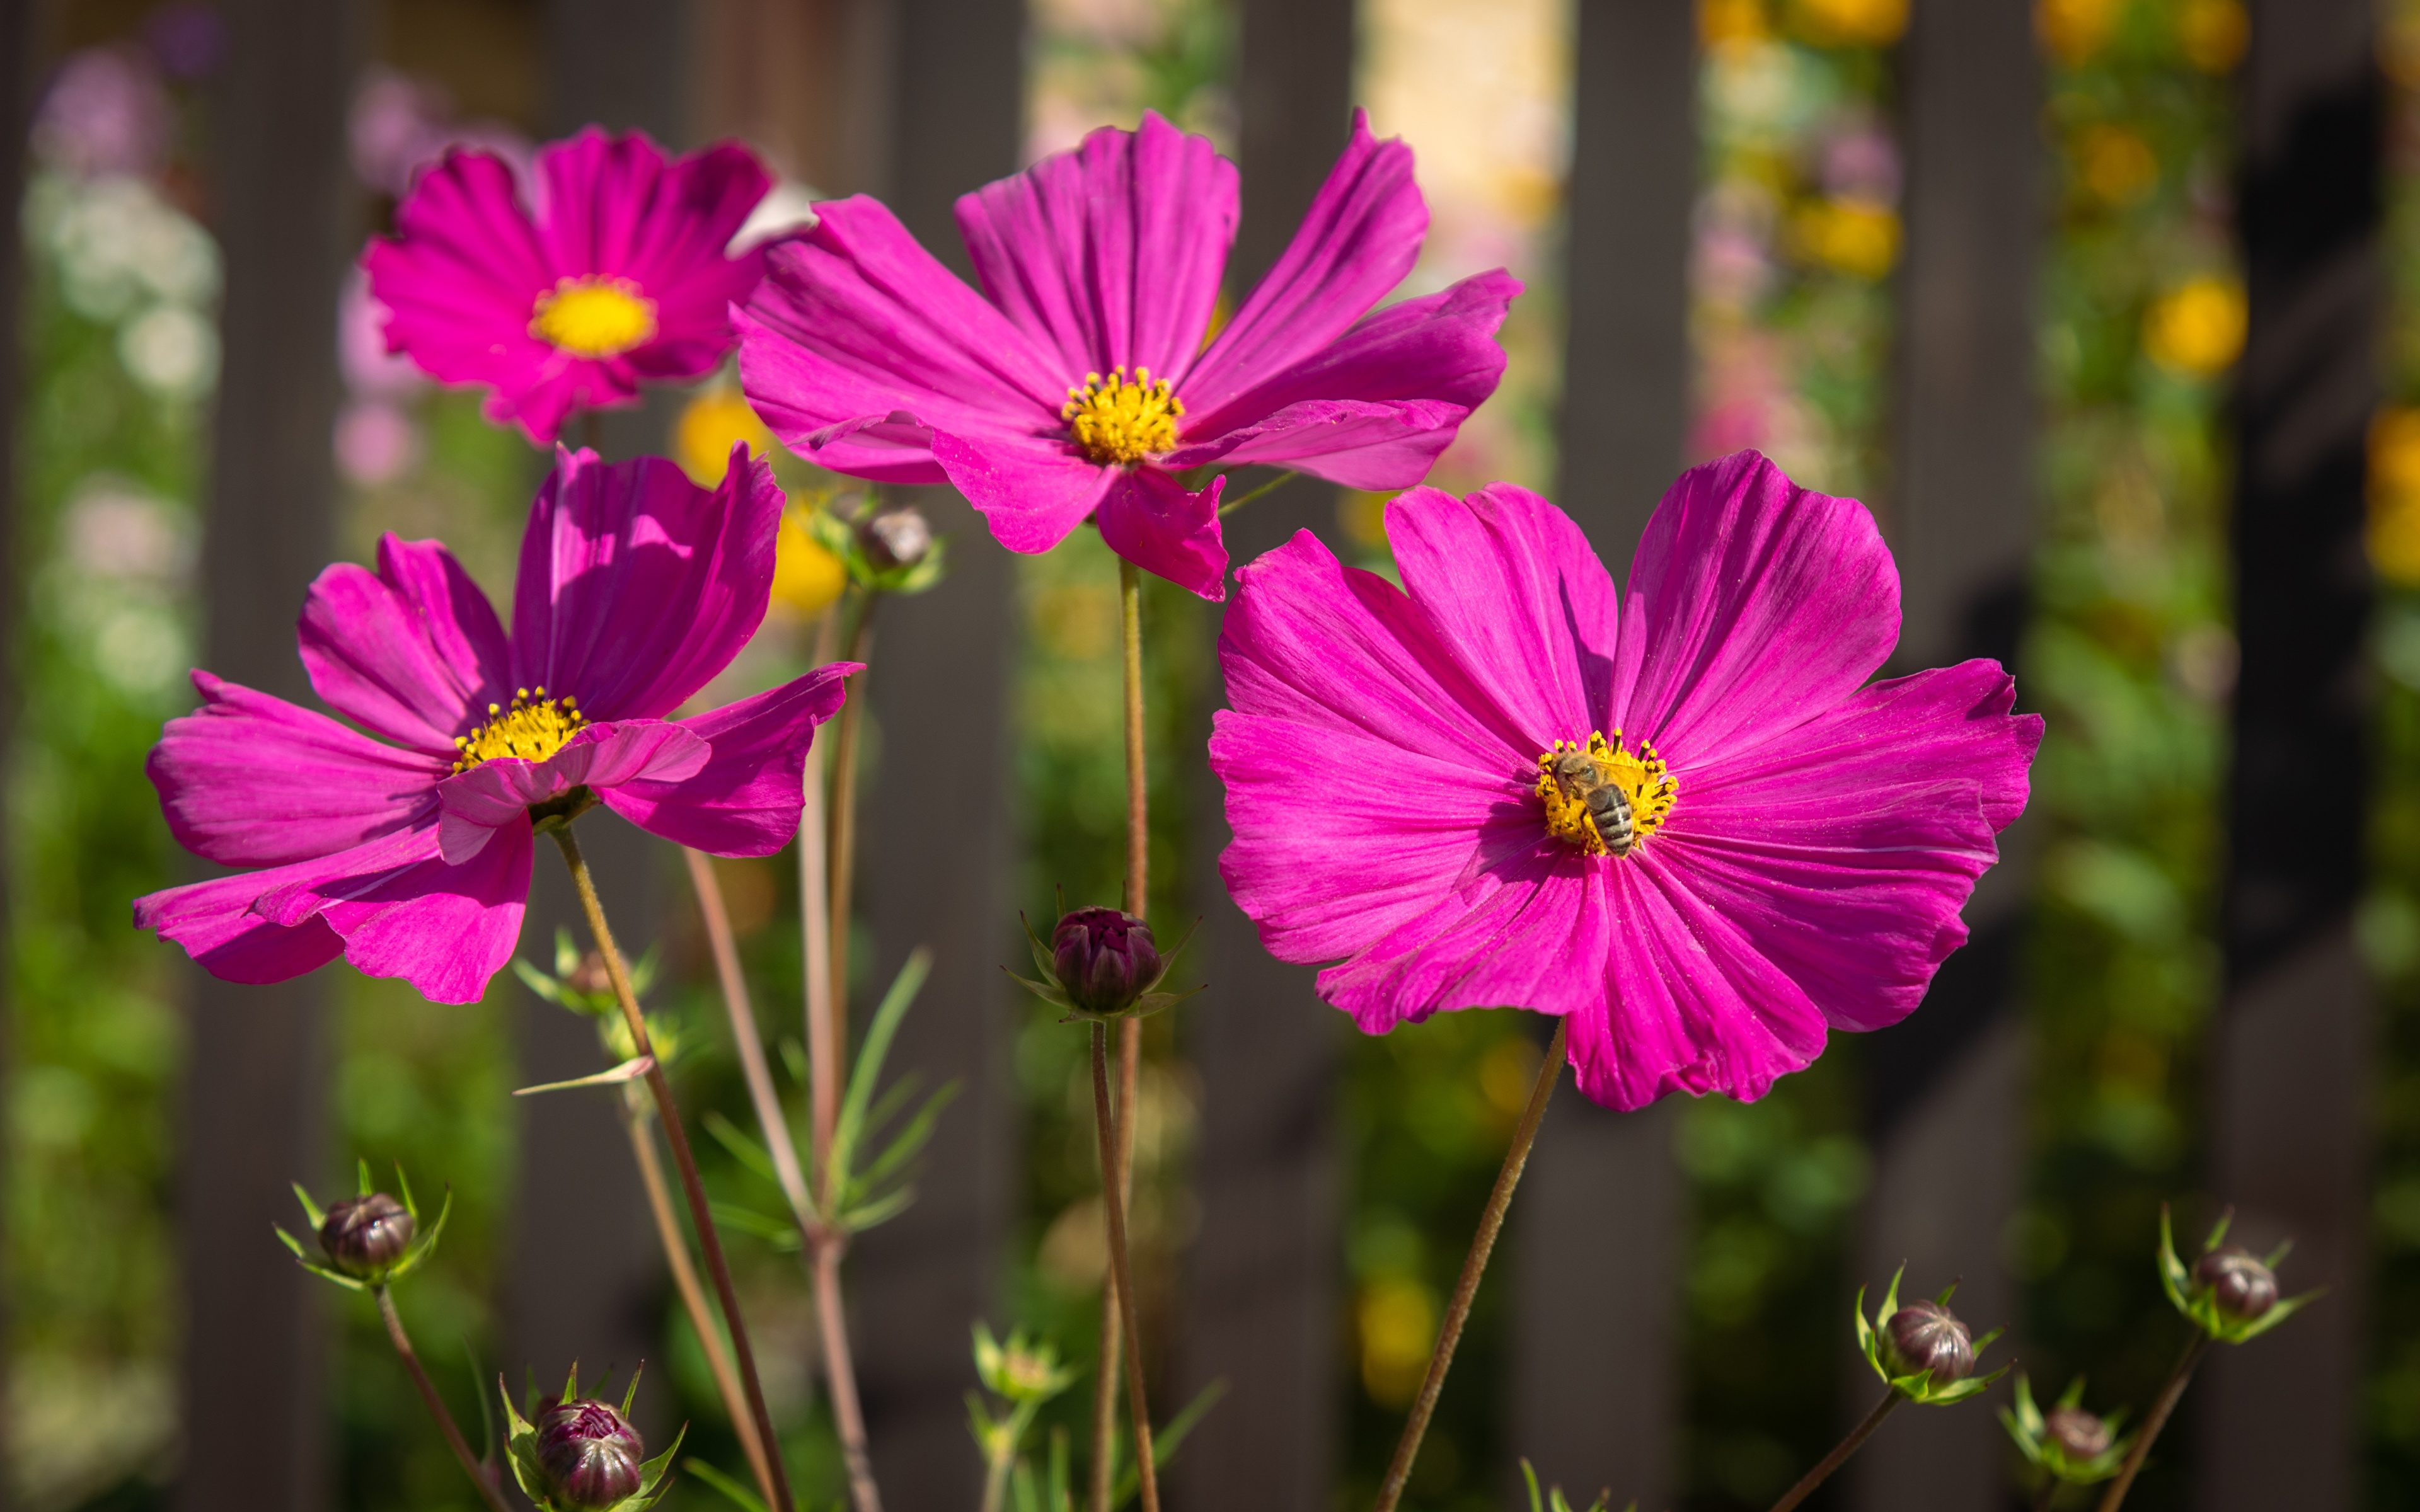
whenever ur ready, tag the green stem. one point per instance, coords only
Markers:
(1474, 1265)
(2170, 1395)
(843, 813)
(488, 1491)
(701, 1212)
(1271, 486)
(1120, 1277)
(1840, 1453)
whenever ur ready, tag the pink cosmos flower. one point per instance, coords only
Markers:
(1689, 826)
(410, 854)
(620, 277)
(1078, 382)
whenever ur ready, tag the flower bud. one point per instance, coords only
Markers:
(589, 1452)
(2242, 1287)
(2079, 1434)
(896, 538)
(365, 1236)
(590, 976)
(1105, 959)
(1926, 1336)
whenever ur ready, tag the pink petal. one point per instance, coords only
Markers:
(1755, 605)
(1360, 237)
(413, 652)
(461, 276)
(636, 585)
(1151, 521)
(1519, 601)
(446, 930)
(745, 800)
(1109, 256)
(495, 795)
(1529, 942)
(892, 448)
(1355, 442)
(248, 779)
(1031, 492)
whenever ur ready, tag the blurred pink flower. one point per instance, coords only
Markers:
(412, 858)
(105, 113)
(376, 443)
(1687, 824)
(401, 124)
(369, 369)
(618, 278)
(1862, 164)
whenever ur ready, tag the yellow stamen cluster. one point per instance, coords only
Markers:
(534, 729)
(1119, 422)
(594, 317)
(1640, 776)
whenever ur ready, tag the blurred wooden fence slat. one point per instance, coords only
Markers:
(18, 52)
(255, 1409)
(1946, 1101)
(2280, 1420)
(937, 873)
(1596, 1383)
(1259, 1304)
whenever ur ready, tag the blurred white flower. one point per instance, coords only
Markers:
(172, 351)
(120, 246)
(113, 531)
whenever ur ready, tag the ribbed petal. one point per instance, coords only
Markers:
(745, 800)
(248, 779)
(856, 321)
(636, 585)
(461, 276)
(1356, 442)
(1109, 256)
(1528, 943)
(413, 652)
(1032, 492)
(494, 795)
(1519, 601)
(1361, 236)
(215, 923)
(1754, 606)
(1151, 521)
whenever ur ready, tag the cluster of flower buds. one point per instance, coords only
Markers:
(2066, 1444)
(582, 1454)
(368, 1240)
(581, 983)
(2229, 1293)
(1922, 1350)
(1021, 1370)
(1103, 965)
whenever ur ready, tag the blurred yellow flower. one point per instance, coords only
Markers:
(1398, 1319)
(1854, 22)
(2116, 165)
(2196, 327)
(1362, 518)
(2395, 496)
(2213, 34)
(709, 423)
(807, 579)
(1729, 23)
(1854, 236)
(2074, 30)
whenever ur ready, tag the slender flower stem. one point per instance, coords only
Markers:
(843, 832)
(1138, 892)
(840, 1368)
(1840, 1453)
(709, 1338)
(1121, 1275)
(2048, 1494)
(745, 1036)
(488, 1491)
(1270, 486)
(815, 928)
(701, 1212)
(2179, 1378)
(1491, 1223)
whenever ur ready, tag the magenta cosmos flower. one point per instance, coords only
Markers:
(412, 858)
(619, 278)
(1079, 383)
(1690, 827)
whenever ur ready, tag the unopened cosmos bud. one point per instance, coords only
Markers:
(589, 1452)
(2242, 1287)
(1926, 1336)
(364, 1235)
(897, 538)
(590, 976)
(1105, 959)
(2079, 1433)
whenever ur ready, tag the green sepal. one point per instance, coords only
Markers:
(2030, 1433)
(1554, 1500)
(1149, 1001)
(2200, 1307)
(839, 536)
(424, 1242)
(1917, 1387)
(520, 1447)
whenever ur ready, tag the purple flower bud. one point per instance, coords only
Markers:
(897, 538)
(1105, 959)
(2078, 1433)
(365, 1236)
(589, 1453)
(2243, 1286)
(1926, 1336)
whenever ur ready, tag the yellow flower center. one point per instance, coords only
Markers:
(594, 317)
(1603, 798)
(534, 729)
(1120, 421)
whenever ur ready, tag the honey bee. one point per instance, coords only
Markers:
(1609, 806)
